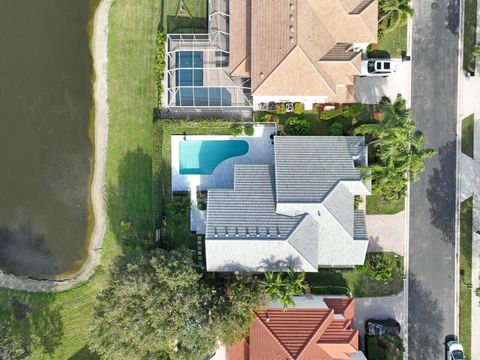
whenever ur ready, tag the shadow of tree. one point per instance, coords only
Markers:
(441, 192)
(34, 319)
(129, 201)
(84, 354)
(424, 322)
(22, 252)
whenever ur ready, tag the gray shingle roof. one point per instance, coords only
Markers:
(359, 226)
(308, 167)
(248, 211)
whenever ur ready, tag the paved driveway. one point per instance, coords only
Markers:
(386, 233)
(432, 199)
(369, 89)
(379, 308)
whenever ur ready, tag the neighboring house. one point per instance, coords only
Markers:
(298, 213)
(257, 51)
(322, 330)
(300, 50)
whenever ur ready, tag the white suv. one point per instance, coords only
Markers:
(455, 350)
(377, 67)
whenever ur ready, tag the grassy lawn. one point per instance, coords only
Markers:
(171, 23)
(384, 347)
(467, 136)
(376, 205)
(58, 324)
(393, 45)
(466, 274)
(338, 281)
(470, 35)
(175, 229)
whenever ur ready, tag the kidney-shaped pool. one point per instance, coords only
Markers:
(203, 156)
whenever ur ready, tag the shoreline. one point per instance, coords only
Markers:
(99, 49)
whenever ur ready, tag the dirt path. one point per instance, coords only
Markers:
(99, 47)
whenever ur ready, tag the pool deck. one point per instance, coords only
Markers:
(260, 152)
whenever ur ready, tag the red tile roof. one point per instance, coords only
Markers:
(301, 334)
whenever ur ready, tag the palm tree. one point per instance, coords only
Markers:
(284, 286)
(399, 151)
(394, 13)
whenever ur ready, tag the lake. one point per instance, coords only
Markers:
(45, 147)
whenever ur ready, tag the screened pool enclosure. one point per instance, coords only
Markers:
(197, 71)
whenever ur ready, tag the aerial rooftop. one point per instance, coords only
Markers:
(298, 213)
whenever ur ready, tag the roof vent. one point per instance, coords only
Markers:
(292, 29)
(291, 39)
(261, 75)
(291, 6)
(292, 18)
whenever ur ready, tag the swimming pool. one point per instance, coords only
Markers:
(203, 156)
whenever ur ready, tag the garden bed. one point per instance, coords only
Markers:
(357, 281)
(384, 347)
(468, 135)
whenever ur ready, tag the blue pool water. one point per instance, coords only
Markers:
(203, 156)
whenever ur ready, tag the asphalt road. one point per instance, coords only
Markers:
(432, 200)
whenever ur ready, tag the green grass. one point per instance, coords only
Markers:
(470, 35)
(384, 347)
(339, 281)
(466, 274)
(467, 135)
(58, 324)
(393, 45)
(175, 230)
(184, 24)
(376, 205)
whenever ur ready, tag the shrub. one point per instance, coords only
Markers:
(249, 130)
(298, 108)
(159, 65)
(295, 126)
(236, 129)
(357, 200)
(381, 268)
(336, 129)
(327, 115)
(179, 205)
(352, 111)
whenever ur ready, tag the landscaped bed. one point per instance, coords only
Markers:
(174, 224)
(470, 35)
(384, 347)
(467, 135)
(357, 281)
(466, 274)
(377, 205)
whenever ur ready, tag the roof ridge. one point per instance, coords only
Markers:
(333, 215)
(276, 66)
(298, 252)
(274, 336)
(328, 318)
(327, 78)
(361, 18)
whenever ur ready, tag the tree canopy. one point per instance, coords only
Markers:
(159, 305)
(393, 14)
(284, 286)
(400, 155)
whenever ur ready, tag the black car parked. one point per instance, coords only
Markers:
(382, 327)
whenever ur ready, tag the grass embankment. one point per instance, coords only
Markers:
(466, 209)
(175, 229)
(469, 35)
(58, 323)
(197, 23)
(376, 205)
(467, 135)
(360, 283)
(393, 45)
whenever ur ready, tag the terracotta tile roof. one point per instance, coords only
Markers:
(240, 30)
(306, 40)
(301, 334)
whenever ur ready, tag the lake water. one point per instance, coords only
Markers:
(45, 149)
